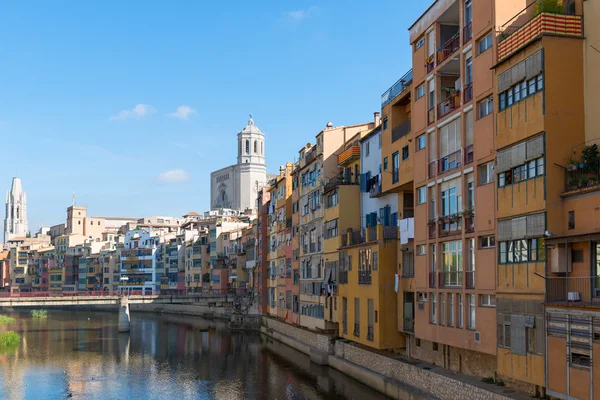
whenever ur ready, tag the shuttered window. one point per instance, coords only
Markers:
(526, 69)
(517, 155)
(450, 138)
(523, 227)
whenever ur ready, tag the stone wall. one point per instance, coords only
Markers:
(320, 342)
(436, 381)
(223, 313)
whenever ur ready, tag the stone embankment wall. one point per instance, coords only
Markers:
(394, 377)
(218, 312)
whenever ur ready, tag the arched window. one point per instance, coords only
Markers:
(255, 147)
(261, 147)
(240, 149)
(17, 212)
(247, 147)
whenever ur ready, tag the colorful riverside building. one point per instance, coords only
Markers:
(262, 264)
(547, 174)
(317, 164)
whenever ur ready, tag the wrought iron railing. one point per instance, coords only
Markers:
(450, 162)
(432, 279)
(573, 290)
(395, 175)
(467, 32)
(468, 93)
(449, 48)
(364, 277)
(451, 279)
(432, 169)
(449, 104)
(390, 232)
(450, 225)
(470, 279)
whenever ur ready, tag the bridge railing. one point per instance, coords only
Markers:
(128, 293)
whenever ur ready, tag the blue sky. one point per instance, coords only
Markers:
(131, 104)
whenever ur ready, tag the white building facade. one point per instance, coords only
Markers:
(15, 221)
(236, 186)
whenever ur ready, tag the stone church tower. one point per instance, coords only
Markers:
(15, 221)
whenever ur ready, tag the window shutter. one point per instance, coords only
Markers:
(535, 147)
(500, 328)
(518, 154)
(540, 336)
(533, 65)
(517, 333)
(504, 81)
(519, 228)
(536, 225)
(363, 183)
(504, 230)
(503, 161)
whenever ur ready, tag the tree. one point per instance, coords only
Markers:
(28, 234)
(206, 277)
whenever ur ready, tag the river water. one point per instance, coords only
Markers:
(80, 355)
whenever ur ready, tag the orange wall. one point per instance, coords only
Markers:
(529, 367)
(521, 198)
(482, 17)
(587, 213)
(485, 206)
(484, 138)
(557, 374)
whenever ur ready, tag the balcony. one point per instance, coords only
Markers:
(573, 290)
(469, 222)
(432, 279)
(401, 130)
(397, 88)
(352, 237)
(341, 179)
(533, 22)
(582, 176)
(451, 279)
(430, 63)
(450, 225)
(364, 277)
(450, 162)
(467, 32)
(449, 104)
(374, 185)
(470, 279)
(431, 116)
(469, 154)
(310, 156)
(372, 233)
(432, 228)
(390, 232)
(432, 169)
(468, 93)
(449, 48)
(352, 153)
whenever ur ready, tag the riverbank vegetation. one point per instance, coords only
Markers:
(9, 339)
(5, 319)
(39, 314)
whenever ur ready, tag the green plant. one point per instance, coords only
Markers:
(583, 181)
(39, 314)
(5, 319)
(590, 156)
(489, 380)
(550, 6)
(499, 383)
(9, 339)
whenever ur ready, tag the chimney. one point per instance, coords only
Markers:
(376, 118)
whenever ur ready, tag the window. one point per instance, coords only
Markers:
(405, 153)
(421, 250)
(460, 310)
(422, 195)
(520, 91)
(469, 70)
(485, 107)
(421, 142)
(488, 300)
(580, 357)
(419, 43)
(471, 311)
(486, 242)
(451, 309)
(247, 147)
(367, 144)
(522, 250)
(385, 164)
(485, 43)
(571, 220)
(442, 309)
(433, 308)
(385, 123)
(486, 173)
(577, 256)
(529, 170)
(420, 91)
(255, 147)
(375, 260)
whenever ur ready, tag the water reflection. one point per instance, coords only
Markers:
(81, 354)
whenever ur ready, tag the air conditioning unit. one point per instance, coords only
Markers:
(477, 337)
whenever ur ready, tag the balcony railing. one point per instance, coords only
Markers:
(430, 63)
(395, 175)
(535, 20)
(582, 177)
(357, 330)
(432, 225)
(469, 223)
(467, 32)
(401, 130)
(468, 154)
(450, 162)
(573, 290)
(470, 279)
(449, 48)
(390, 232)
(364, 277)
(343, 277)
(451, 279)
(431, 115)
(449, 104)
(370, 333)
(372, 233)
(400, 86)
(468, 93)
(432, 169)
(356, 237)
(432, 279)
(451, 226)
(350, 154)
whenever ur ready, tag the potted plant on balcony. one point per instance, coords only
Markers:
(468, 213)
(590, 158)
(549, 6)
(572, 165)
(431, 222)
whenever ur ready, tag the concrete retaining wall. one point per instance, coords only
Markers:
(223, 313)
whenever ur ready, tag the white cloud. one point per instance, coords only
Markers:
(139, 111)
(183, 112)
(299, 15)
(173, 175)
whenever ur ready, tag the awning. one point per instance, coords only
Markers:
(591, 237)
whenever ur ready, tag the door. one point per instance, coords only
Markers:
(409, 312)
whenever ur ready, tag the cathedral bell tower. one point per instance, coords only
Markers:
(251, 145)
(15, 221)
